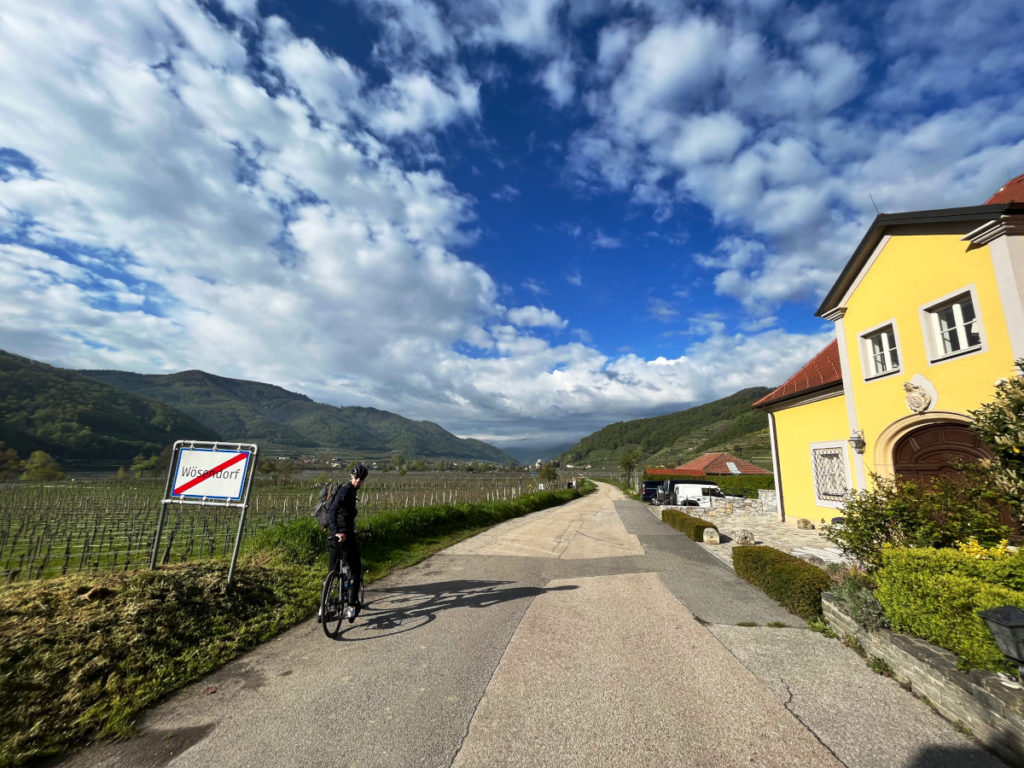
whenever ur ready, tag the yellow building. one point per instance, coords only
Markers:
(929, 316)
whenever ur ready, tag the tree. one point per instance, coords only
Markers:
(398, 461)
(41, 467)
(901, 513)
(548, 473)
(628, 463)
(10, 464)
(141, 464)
(1000, 424)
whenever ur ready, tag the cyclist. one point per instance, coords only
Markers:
(341, 536)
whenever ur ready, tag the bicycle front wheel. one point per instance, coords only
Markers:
(332, 605)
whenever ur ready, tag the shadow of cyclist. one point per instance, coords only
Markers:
(393, 610)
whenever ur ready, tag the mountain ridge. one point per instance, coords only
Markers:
(291, 421)
(728, 424)
(108, 417)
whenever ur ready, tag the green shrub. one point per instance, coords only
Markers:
(793, 583)
(936, 595)
(692, 526)
(300, 542)
(1000, 424)
(855, 593)
(901, 513)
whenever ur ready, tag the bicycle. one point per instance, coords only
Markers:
(334, 596)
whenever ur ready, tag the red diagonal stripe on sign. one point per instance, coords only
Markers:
(209, 473)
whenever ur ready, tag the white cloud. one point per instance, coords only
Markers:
(536, 317)
(328, 83)
(601, 240)
(707, 138)
(558, 79)
(413, 102)
(527, 24)
(182, 172)
(661, 310)
(505, 193)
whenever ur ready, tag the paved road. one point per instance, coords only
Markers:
(588, 635)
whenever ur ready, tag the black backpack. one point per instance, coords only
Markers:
(323, 507)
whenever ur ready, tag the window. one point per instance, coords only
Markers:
(831, 478)
(879, 352)
(955, 326)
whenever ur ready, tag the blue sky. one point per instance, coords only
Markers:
(522, 220)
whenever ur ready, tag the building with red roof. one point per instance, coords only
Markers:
(711, 464)
(928, 314)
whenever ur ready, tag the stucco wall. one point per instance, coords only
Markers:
(908, 274)
(798, 429)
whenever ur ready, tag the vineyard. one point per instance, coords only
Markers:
(53, 529)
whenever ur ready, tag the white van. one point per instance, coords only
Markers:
(697, 494)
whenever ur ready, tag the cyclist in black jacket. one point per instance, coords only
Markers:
(341, 535)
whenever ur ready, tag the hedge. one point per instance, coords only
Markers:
(302, 541)
(935, 594)
(692, 526)
(793, 583)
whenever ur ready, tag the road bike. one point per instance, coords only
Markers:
(334, 602)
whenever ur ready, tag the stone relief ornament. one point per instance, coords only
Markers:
(918, 399)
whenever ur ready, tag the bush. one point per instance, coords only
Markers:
(855, 593)
(692, 526)
(936, 595)
(901, 513)
(1000, 424)
(300, 542)
(793, 583)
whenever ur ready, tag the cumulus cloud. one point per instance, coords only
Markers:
(755, 119)
(601, 240)
(188, 189)
(536, 317)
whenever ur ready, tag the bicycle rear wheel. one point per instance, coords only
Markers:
(333, 602)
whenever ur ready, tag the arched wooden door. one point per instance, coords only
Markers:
(934, 450)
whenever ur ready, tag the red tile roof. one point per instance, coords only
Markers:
(1011, 192)
(715, 464)
(822, 371)
(710, 464)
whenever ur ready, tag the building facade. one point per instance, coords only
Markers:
(929, 316)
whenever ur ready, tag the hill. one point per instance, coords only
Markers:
(288, 422)
(729, 424)
(75, 418)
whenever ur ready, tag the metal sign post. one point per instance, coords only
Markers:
(208, 474)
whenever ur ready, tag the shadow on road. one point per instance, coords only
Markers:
(393, 610)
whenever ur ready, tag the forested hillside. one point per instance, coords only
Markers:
(729, 424)
(286, 421)
(74, 417)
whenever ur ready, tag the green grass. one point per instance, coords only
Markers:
(82, 656)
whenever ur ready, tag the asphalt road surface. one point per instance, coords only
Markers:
(587, 635)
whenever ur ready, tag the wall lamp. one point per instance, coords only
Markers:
(1007, 627)
(856, 440)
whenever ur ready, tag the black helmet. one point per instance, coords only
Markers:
(359, 471)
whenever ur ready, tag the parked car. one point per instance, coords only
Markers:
(697, 494)
(649, 490)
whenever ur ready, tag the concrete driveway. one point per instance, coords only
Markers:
(587, 635)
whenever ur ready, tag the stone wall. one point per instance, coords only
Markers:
(980, 701)
(763, 507)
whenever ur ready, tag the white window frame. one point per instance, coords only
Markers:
(932, 329)
(832, 500)
(867, 354)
